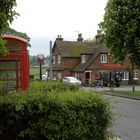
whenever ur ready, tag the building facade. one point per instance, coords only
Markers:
(87, 61)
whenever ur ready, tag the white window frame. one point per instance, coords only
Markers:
(103, 58)
(59, 75)
(77, 75)
(59, 59)
(83, 58)
(125, 75)
(54, 59)
(135, 75)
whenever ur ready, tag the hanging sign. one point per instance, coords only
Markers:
(40, 59)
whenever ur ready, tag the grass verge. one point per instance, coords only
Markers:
(136, 93)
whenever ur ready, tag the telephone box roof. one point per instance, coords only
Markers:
(15, 37)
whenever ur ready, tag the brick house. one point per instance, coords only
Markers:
(87, 61)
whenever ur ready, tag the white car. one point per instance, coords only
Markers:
(45, 76)
(71, 80)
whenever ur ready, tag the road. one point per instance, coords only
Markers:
(126, 119)
(126, 122)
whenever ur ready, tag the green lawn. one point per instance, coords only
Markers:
(126, 92)
(36, 72)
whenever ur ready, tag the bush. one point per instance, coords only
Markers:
(75, 115)
(51, 86)
(3, 89)
(60, 87)
(32, 77)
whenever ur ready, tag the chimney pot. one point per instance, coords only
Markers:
(80, 38)
(98, 36)
(59, 37)
(99, 32)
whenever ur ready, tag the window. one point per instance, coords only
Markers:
(125, 75)
(59, 59)
(77, 75)
(59, 75)
(135, 75)
(83, 58)
(54, 60)
(103, 58)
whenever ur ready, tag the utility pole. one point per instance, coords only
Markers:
(51, 70)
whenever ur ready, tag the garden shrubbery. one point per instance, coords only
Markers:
(43, 113)
(52, 86)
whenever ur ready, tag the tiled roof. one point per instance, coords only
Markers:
(74, 48)
(83, 66)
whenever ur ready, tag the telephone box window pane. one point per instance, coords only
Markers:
(9, 64)
(14, 48)
(8, 75)
(10, 85)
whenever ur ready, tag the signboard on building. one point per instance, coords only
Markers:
(111, 66)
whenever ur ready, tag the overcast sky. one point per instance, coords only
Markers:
(43, 20)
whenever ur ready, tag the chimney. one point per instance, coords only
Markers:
(59, 37)
(98, 36)
(80, 38)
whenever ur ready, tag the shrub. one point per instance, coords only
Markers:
(75, 115)
(32, 77)
(51, 86)
(3, 89)
(60, 87)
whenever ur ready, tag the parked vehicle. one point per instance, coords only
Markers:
(113, 78)
(45, 76)
(71, 80)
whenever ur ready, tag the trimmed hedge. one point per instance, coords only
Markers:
(69, 115)
(51, 86)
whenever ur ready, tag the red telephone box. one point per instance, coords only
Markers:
(14, 67)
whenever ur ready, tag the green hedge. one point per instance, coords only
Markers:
(51, 86)
(65, 115)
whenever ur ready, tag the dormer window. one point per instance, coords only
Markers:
(59, 59)
(83, 58)
(103, 58)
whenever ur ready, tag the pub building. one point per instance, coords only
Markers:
(88, 61)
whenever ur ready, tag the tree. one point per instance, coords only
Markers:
(10, 31)
(7, 15)
(33, 60)
(90, 40)
(121, 26)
